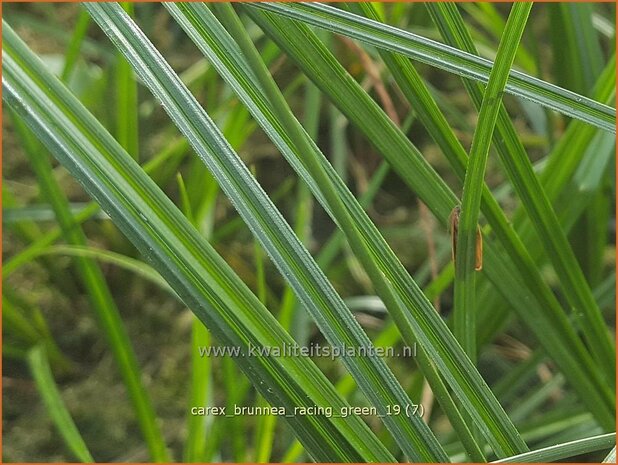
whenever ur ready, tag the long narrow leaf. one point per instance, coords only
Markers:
(467, 247)
(448, 58)
(565, 451)
(44, 380)
(127, 125)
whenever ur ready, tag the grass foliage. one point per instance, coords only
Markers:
(335, 141)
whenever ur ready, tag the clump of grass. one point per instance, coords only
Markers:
(534, 314)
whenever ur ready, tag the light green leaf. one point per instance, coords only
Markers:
(444, 57)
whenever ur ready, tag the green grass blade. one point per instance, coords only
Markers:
(72, 53)
(101, 300)
(565, 451)
(467, 230)
(25, 226)
(289, 311)
(568, 152)
(277, 238)
(466, 257)
(442, 56)
(389, 337)
(264, 429)
(201, 387)
(195, 271)
(575, 45)
(126, 102)
(199, 394)
(38, 213)
(420, 98)
(132, 265)
(537, 205)
(44, 380)
(542, 313)
(611, 457)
